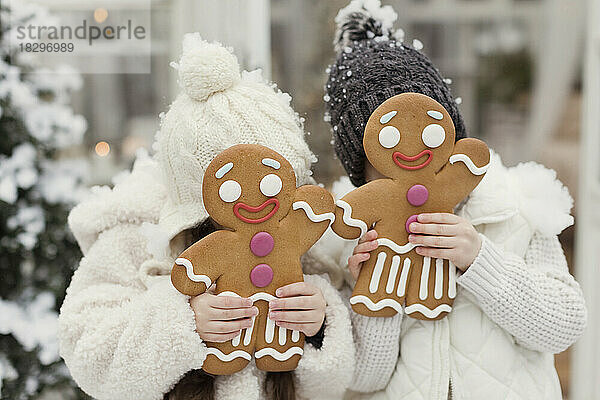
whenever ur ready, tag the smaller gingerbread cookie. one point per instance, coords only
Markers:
(409, 139)
(268, 223)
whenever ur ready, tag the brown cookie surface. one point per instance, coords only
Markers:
(267, 224)
(409, 139)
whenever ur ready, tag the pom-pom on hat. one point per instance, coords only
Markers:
(372, 65)
(219, 107)
(206, 68)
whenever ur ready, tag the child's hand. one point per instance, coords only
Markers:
(301, 307)
(221, 318)
(448, 236)
(365, 245)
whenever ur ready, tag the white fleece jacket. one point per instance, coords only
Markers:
(126, 333)
(515, 306)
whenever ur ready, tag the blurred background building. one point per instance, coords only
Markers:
(517, 71)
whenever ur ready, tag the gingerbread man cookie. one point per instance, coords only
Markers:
(409, 139)
(268, 223)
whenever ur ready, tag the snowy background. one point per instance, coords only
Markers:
(515, 68)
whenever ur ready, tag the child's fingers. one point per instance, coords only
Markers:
(369, 236)
(356, 259)
(435, 252)
(294, 303)
(212, 288)
(447, 242)
(309, 329)
(229, 302)
(303, 316)
(219, 337)
(434, 229)
(438, 218)
(355, 263)
(296, 289)
(303, 327)
(227, 326)
(227, 314)
(366, 247)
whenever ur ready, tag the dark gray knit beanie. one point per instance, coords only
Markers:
(373, 64)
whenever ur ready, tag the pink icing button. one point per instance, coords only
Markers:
(417, 195)
(261, 244)
(261, 275)
(410, 220)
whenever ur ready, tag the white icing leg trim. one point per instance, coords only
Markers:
(282, 336)
(403, 278)
(395, 246)
(228, 357)
(452, 281)
(248, 335)
(235, 342)
(376, 276)
(389, 288)
(270, 326)
(189, 270)
(347, 217)
(248, 331)
(279, 356)
(439, 278)
(310, 214)
(295, 336)
(269, 330)
(424, 278)
(475, 170)
(376, 306)
(429, 313)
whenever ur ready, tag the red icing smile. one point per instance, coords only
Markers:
(397, 155)
(250, 209)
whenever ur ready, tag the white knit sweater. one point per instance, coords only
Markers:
(534, 298)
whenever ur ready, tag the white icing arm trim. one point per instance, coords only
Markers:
(228, 357)
(376, 306)
(310, 214)
(429, 313)
(347, 217)
(278, 355)
(395, 246)
(189, 270)
(475, 170)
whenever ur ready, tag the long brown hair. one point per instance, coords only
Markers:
(197, 384)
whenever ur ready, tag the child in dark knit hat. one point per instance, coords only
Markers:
(516, 302)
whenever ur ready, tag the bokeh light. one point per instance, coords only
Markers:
(102, 148)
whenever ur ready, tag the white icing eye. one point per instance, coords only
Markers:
(389, 136)
(433, 135)
(270, 185)
(230, 191)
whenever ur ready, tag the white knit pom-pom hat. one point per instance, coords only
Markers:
(217, 108)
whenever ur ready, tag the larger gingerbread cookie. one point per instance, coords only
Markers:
(268, 223)
(409, 139)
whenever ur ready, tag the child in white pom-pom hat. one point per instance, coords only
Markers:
(516, 303)
(125, 332)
